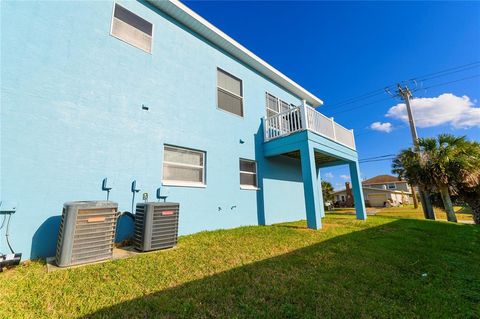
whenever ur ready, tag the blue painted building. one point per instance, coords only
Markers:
(151, 92)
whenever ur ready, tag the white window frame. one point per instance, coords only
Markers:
(248, 187)
(116, 37)
(229, 92)
(202, 184)
(394, 186)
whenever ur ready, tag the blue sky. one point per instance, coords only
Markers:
(339, 50)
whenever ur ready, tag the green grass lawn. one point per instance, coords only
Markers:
(386, 268)
(411, 212)
(408, 211)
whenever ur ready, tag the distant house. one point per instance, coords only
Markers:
(380, 191)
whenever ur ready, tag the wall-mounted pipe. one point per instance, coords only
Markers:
(159, 195)
(105, 188)
(134, 190)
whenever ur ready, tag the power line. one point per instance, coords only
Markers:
(375, 157)
(361, 106)
(377, 160)
(358, 98)
(449, 82)
(425, 77)
(429, 87)
(463, 67)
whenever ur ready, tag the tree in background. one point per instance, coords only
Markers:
(327, 191)
(446, 164)
(471, 196)
(466, 179)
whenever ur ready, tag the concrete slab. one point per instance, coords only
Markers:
(118, 253)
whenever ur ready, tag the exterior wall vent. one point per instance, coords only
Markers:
(87, 232)
(156, 226)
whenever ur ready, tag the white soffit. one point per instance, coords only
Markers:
(195, 22)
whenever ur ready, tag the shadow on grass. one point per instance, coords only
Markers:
(290, 226)
(405, 268)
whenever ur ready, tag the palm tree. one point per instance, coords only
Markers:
(466, 182)
(408, 166)
(327, 191)
(438, 164)
(471, 196)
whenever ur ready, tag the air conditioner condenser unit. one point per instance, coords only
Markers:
(156, 226)
(87, 232)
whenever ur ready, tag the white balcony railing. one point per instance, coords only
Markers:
(307, 118)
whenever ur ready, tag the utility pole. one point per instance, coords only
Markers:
(405, 94)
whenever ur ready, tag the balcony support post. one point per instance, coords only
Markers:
(313, 200)
(320, 194)
(360, 210)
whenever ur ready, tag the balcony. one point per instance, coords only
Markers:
(316, 142)
(302, 118)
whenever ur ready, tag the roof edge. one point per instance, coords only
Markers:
(395, 191)
(195, 22)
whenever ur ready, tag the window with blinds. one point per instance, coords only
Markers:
(229, 93)
(274, 105)
(132, 29)
(248, 174)
(183, 167)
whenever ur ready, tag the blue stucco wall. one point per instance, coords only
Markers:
(71, 114)
(283, 190)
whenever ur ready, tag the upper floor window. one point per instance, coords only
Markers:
(229, 93)
(274, 105)
(183, 167)
(391, 186)
(132, 29)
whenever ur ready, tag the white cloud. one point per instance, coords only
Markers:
(329, 175)
(382, 127)
(447, 108)
(345, 177)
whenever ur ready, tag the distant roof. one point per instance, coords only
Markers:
(395, 191)
(382, 179)
(195, 22)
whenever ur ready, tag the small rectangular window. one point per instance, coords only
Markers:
(183, 167)
(132, 29)
(392, 186)
(248, 174)
(229, 93)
